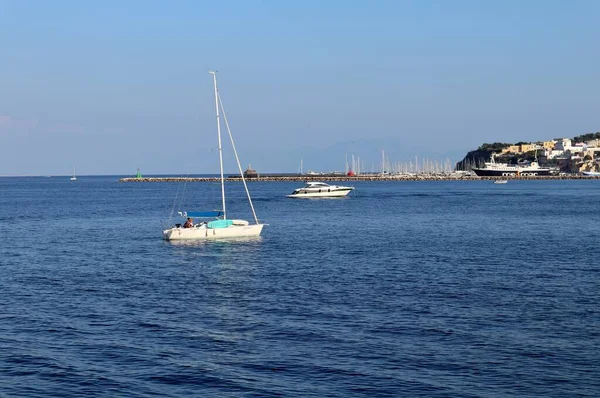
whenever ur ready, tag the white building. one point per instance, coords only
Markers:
(563, 144)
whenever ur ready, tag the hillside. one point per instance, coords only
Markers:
(477, 157)
(480, 155)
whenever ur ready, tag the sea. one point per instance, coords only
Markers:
(401, 289)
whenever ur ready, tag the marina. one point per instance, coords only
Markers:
(363, 177)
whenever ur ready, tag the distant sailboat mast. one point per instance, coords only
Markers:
(346, 164)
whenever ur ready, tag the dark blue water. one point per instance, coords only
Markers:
(435, 289)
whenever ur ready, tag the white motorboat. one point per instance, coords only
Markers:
(221, 227)
(315, 189)
(528, 169)
(591, 174)
(500, 181)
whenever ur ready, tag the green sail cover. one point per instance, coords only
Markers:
(219, 224)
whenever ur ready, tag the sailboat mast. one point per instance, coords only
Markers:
(219, 140)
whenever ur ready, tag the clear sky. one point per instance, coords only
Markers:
(110, 86)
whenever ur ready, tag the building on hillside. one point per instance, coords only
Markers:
(555, 154)
(564, 144)
(593, 143)
(527, 148)
(592, 152)
(577, 148)
(549, 144)
(511, 149)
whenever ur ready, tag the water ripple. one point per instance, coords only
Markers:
(408, 289)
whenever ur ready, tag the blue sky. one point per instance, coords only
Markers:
(111, 86)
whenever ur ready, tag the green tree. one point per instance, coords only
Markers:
(587, 137)
(480, 155)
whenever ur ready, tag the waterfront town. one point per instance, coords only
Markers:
(568, 155)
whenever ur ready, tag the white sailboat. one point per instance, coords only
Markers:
(73, 178)
(221, 226)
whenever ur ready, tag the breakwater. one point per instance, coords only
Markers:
(401, 177)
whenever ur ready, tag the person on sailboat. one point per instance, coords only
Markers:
(189, 223)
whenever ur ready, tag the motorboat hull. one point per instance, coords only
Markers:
(317, 194)
(204, 233)
(487, 172)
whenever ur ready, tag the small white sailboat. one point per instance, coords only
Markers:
(315, 189)
(73, 178)
(221, 226)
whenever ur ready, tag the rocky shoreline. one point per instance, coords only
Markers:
(415, 177)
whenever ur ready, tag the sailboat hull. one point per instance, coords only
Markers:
(204, 233)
